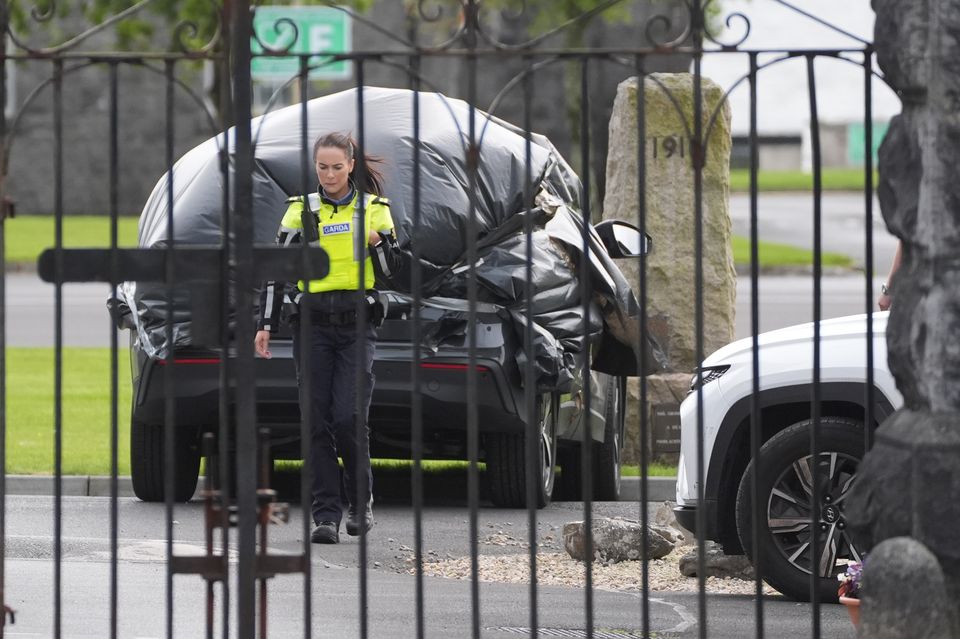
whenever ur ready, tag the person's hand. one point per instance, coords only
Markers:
(373, 239)
(885, 298)
(261, 343)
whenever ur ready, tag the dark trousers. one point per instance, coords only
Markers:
(334, 355)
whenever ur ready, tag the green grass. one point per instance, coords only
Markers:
(85, 411)
(654, 469)
(772, 254)
(430, 466)
(86, 417)
(28, 235)
(833, 179)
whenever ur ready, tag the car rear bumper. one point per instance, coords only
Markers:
(442, 381)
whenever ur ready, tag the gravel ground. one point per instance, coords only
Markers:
(504, 557)
(558, 569)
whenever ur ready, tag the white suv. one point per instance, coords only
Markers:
(785, 478)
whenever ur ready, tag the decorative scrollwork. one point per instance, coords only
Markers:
(44, 15)
(182, 33)
(186, 33)
(728, 22)
(582, 18)
(421, 9)
(666, 26)
(515, 15)
(387, 33)
(280, 27)
(465, 26)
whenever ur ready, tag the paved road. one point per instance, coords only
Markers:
(783, 218)
(788, 299)
(391, 607)
(30, 312)
(788, 218)
(784, 300)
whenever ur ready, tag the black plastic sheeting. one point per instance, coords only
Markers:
(441, 234)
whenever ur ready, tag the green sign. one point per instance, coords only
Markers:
(319, 31)
(857, 142)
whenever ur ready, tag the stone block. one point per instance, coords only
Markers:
(615, 540)
(716, 563)
(903, 594)
(665, 389)
(670, 210)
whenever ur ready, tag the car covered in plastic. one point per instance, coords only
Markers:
(456, 211)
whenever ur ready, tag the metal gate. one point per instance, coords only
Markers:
(234, 561)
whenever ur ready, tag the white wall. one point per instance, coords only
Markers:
(782, 98)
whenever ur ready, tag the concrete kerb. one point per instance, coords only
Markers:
(659, 488)
(71, 485)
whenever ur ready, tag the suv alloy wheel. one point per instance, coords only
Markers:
(786, 490)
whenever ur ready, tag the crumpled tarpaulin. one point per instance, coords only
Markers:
(440, 231)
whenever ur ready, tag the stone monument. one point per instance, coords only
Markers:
(904, 507)
(669, 190)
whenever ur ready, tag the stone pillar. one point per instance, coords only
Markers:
(670, 210)
(909, 481)
(669, 190)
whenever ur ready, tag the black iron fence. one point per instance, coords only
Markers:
(503, 369)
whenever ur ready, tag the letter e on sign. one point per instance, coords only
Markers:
(320, 38)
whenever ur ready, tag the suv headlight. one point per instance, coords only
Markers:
(706, 375)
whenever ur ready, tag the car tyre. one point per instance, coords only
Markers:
(147, 462)
(607, 454)
(506, 460)
(784, 492)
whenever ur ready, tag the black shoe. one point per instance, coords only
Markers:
(353, 525)
(326, 532)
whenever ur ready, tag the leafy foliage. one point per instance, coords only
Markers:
(550, 14)
(202, 16)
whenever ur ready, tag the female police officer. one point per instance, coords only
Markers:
(334, 343)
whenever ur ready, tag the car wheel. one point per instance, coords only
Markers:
(786, 489)
(506, 460)
(147, 462)
(607, 462)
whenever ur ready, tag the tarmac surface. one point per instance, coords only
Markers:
(504, 609)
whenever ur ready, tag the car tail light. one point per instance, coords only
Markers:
(190, 360)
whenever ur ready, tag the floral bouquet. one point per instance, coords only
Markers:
(850, 581)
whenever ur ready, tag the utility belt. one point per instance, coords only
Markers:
(341, 318)
(321, 314)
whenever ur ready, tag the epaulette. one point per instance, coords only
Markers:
(381, 200)
(314, 200)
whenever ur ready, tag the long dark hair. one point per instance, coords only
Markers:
(372, 177)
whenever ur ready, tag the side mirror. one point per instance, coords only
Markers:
(623, 239)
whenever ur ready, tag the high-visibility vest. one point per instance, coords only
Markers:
(336, 231)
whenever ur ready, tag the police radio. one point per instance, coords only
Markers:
(310, 222)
